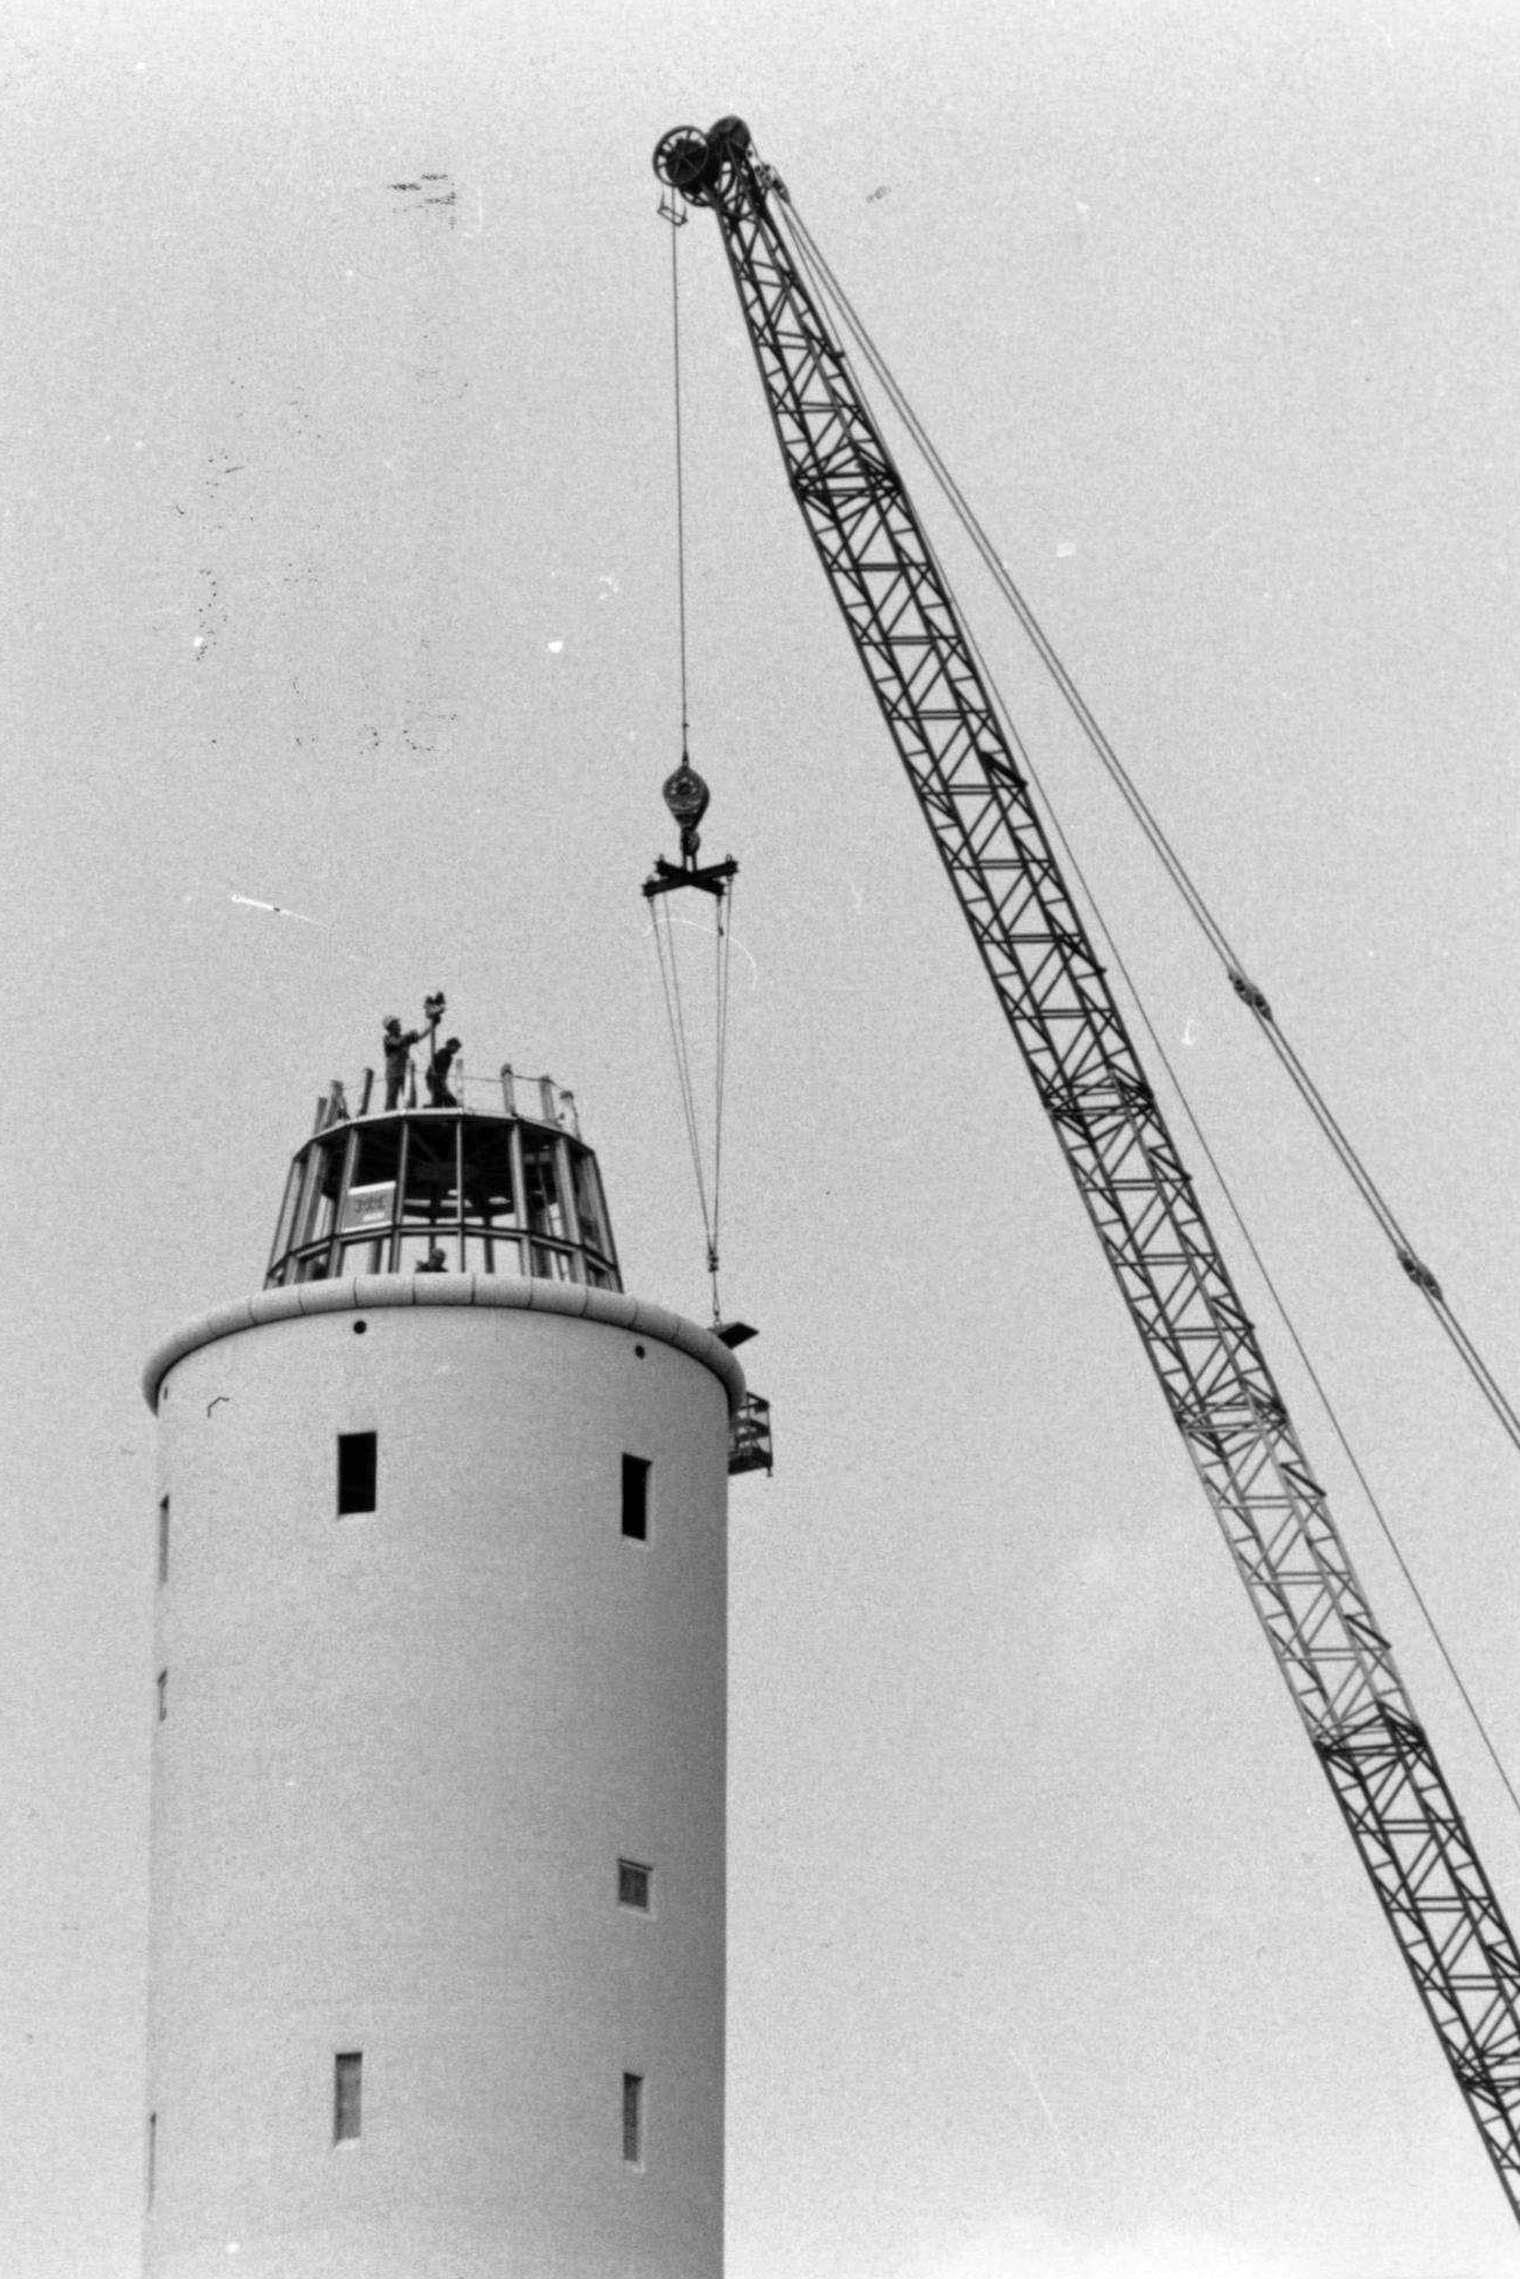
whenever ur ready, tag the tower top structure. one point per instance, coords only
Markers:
(500, 1182)
(439, 1715)
(487, 1197)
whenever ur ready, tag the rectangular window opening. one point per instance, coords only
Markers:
(356, 1471)
(163, 1695)
(633, 1884)
(633, 2119)
(163, 1539)
(348, 2095)
(636, 1497)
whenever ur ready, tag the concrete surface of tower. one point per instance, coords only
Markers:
(437, 1931)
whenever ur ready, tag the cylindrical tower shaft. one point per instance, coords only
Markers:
(438, 1797)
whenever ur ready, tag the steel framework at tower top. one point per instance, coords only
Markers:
(964, 770)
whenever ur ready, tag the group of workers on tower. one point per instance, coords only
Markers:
(397, 1045)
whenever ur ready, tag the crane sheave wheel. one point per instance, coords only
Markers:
(681, 159)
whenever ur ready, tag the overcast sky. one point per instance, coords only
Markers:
(339, 550)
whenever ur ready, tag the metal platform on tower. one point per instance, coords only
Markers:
(502, 1185)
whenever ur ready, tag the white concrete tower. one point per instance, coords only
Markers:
(436, 1979)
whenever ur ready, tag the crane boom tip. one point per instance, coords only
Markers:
(698, 164)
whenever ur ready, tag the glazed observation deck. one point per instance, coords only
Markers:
(502, 1184)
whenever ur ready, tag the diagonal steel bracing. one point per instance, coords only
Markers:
(965, 771)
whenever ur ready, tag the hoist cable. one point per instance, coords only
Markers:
(675, 1016)
(813, 262)
(723, 946)
(670, 982)
(670, 977)
(675, 332)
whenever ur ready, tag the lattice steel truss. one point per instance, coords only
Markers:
(963, 768)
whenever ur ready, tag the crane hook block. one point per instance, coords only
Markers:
(687, 797)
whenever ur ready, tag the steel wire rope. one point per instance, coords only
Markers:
(1279, 1303)
(1235, 1210)
(665, 949)
(812, 260)
(670, 981)
(1237, 1214)
(723, 952)
(676, 225)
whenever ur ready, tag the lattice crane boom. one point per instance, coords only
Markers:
(964, 769)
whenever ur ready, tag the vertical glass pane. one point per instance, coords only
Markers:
(377, 1153)
(554, 1265)
(487, 1171)
(588, 1203)
(287, 1215)
(320, 1176)
(311, 1178)
(364, 1256)
(541, 1196)
(324, 1202)
(431, 1193)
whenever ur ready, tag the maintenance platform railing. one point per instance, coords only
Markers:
(536, 1099)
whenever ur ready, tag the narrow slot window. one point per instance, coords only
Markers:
(348, 2095)
(163, 1539)
(163, 1695)
(633, 1885)
(356, 1471)
(636, 1497)
(152, 2156)
(633, 2120)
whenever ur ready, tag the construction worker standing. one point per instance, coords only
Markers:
(439, 1095)
(397, 1044)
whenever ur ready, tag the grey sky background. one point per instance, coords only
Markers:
(339, 570)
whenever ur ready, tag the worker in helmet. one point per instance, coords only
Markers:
(397, 1044)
